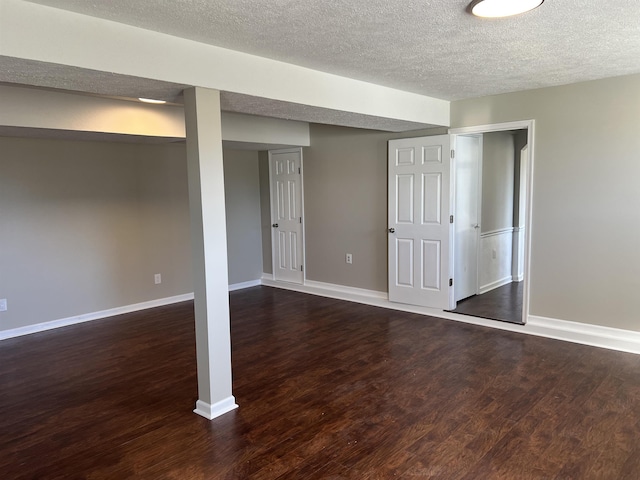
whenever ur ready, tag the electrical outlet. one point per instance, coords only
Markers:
(3, 304)
(349, 258)
(493, 253)
(157, 278)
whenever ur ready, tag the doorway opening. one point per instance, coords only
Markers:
(492, 183)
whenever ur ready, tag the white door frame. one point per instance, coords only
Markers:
(501, 127)
(272, 196)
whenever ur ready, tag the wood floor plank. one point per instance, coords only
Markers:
(327, 389)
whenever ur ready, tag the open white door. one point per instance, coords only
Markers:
(419, 222)
(285, 176)
(468, 186)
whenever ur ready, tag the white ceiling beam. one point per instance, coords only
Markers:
(40, 33)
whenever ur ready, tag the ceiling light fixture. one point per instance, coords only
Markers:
(151, 100)
(502, 8)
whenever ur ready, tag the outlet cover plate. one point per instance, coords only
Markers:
(3, 304)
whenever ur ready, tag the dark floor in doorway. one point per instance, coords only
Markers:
(503, 303)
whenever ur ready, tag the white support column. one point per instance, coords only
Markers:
(209, 251)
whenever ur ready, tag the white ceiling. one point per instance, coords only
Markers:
(431, 47)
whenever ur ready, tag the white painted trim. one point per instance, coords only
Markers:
(87, 317)
(219, 408)
(493, 285)
(343, 289)
(330, 290)
(494, 127)
(574, 332)
(584, 333)
(242, 285)
(501, 231)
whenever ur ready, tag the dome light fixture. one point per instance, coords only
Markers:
(151, 100)
(502, 8)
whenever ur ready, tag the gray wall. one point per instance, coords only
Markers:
(345, 188)
(84, 226)
(586, 220)
(265, 211)
(497, 181)
(242, 200)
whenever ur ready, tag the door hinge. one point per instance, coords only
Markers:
(451, 282)
(301, 269)
(300, 219)
(453, 153)
(450, 218)
(298, 170)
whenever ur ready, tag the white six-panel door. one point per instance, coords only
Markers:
(286, 214)
(419, 228)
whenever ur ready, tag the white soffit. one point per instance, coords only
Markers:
(430, 47)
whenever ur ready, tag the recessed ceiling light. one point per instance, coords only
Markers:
(151, 100)
(502, 8)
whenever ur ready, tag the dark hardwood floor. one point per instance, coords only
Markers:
(326, 388)
(503, 303)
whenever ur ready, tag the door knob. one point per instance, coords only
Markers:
(275, 225)
(392, 230)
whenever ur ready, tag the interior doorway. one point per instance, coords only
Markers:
(492, 177)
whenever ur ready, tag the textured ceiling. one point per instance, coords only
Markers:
(431, 47)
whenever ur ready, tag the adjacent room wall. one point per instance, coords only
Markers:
(497, 181)
(496, 232)
(84, 226)
(586, 220)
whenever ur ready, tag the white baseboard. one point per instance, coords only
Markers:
(493, 285)
(575, 332)
(519, 278)
(340, 292)
(210, 412)
(87, 317)
(582, 333)
(239, 286)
